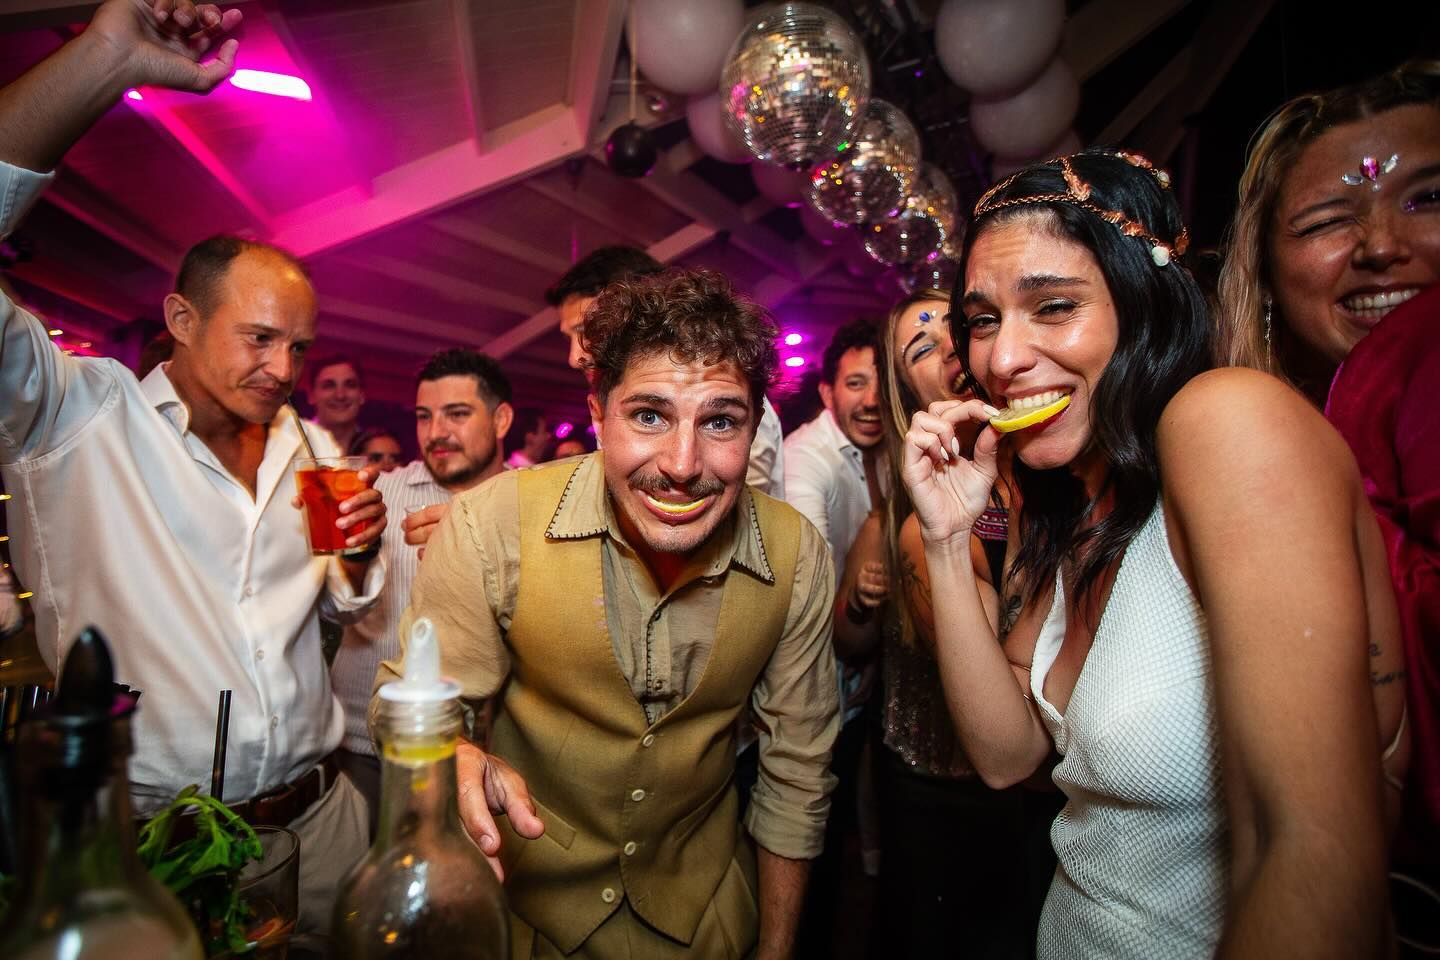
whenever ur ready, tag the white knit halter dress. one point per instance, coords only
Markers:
(1142, 844)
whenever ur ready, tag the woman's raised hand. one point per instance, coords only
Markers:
(949, 491)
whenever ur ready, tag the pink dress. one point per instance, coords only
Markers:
(1383, 402)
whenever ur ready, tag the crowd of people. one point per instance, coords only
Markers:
(1158, 676)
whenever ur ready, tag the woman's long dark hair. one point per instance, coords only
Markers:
(1165, 339)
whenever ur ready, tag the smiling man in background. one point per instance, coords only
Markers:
(832, 476)
(337, 392)
(626, 606)
(462, 413)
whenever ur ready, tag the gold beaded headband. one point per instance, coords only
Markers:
(1077, 193)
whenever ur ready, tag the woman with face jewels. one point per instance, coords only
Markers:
(952, 869)
(1335, 262)
(1193, 585)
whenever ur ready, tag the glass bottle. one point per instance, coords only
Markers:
(424, 889)
(83, 894)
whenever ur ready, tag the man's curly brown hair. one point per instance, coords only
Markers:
(688, 315)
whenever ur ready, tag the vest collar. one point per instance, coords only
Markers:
(585, 511)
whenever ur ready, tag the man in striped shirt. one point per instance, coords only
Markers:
(462, 412)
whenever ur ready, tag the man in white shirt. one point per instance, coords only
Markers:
(572, 296)
(833, 466)
(162, 511)
(462, 413)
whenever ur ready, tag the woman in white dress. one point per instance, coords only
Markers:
(1195, 596)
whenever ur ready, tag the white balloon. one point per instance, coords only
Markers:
(680, 45)
(821, 228)
(1002, 167)
(778, 184)
(710, 131)
(994, 48)
(1031, 120)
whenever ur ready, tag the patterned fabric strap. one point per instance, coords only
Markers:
(993, 524)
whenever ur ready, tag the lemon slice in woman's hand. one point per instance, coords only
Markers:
(1028, 414)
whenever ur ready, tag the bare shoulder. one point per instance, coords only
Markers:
(1239, 426)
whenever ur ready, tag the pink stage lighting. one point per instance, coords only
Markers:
(275, 84)
(133, 95)
(564, 429)
(794, 361)
(794, 339)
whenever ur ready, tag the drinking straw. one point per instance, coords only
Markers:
(222, 739)
(299, 425)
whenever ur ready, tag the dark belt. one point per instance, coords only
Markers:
(283, 805)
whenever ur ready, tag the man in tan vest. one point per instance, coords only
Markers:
(625, 608)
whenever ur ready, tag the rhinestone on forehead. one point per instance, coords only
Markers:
(1371, 170)
(925, 317)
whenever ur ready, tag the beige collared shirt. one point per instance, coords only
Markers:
(469, 581)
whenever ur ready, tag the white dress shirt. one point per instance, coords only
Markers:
(767, 454)
(376, 636)
(825, 481)
(124, 519)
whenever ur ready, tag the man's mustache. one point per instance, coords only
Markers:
(654, 483)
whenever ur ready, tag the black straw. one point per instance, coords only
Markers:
(222, 739)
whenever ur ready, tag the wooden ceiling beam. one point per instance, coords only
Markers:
(1162, 85)
(689, 194)
(599, 25)
(1224, 33)
(180, 132)
(1102, 30)
(70, 284)
(471, 232)
(464, 335)
(455, 289)
(77, 197)
(588, 207)
(460, 11)
(447, 176)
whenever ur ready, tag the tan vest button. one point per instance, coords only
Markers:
(608, 895)
(630, 849)
(648, 740)
(637, 795)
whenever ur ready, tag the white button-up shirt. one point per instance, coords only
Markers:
(376, 636)
(124, 519)
(825, 481)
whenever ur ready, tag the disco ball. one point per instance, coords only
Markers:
(938, 274)
(870, 179)
(920, 229)
(795, 84)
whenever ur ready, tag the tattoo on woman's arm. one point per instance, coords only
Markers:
(1009, 613)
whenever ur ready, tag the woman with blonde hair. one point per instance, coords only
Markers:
(1334, 263)
(1338, 223)
(952, 869)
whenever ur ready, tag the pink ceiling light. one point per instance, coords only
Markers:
(564, 429)
(275, 84)
(794, 339)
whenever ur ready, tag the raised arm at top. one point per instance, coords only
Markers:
(129, 43)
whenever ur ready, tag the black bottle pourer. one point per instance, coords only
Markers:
(74, 740)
